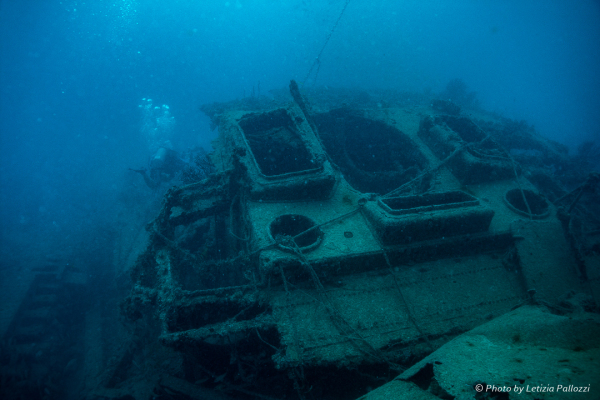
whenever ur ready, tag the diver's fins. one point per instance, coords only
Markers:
(149, 182)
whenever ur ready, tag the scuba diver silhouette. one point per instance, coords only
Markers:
(164, 166)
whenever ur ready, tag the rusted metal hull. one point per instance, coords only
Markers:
(286, 263)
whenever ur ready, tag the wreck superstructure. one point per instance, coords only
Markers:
(345, 238)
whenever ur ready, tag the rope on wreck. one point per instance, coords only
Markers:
(409, 312)
(438, 166)
(574, 227)
(592, 180)
(521, 189)
(428, 171)
(339, 321)
(514, 167)
(337, 318)
(298, 371)
(456, 152)
(317, 62)
(312, 228)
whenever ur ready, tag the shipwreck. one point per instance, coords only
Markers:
(343, 237)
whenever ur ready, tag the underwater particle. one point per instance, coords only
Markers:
(348, 234)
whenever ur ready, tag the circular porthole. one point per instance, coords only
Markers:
(285, 228)
(537, 204)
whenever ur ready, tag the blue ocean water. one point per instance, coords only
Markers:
(73, 74)
(88, 89)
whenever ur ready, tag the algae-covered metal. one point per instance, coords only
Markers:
(346, 238)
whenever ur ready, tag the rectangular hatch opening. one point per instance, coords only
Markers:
(274, 141)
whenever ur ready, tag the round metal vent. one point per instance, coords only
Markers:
(285, 230)
(537, 204)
